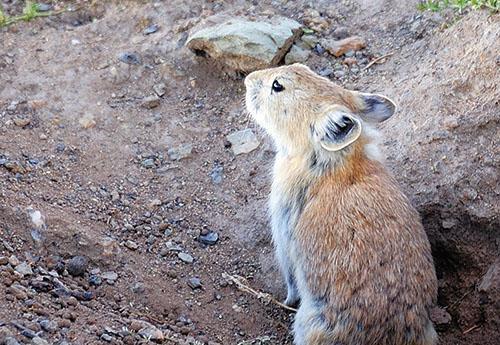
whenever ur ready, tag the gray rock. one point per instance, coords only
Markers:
(150, 102)
(110, 277)
(349, 53)
(208, 237)
(185, 257)
(340, 32)
(24, 269)
(129, 58)
(310, 40)
(339, 74)
(152, 333)
(326, 71)
(160, 89)
(49, 325)
(217, 173)
(243, 141)
(106, 337)
(318, 48)
(138, 288)
(13, 260)
(131, 245)
(95, 280)
(240, 44)
(194, 283)
(151, 29)
(39, 341)
(180, 152)
(11, 341)
(172, 247)
(44, 7)
(77, 266)
(148, 163)
(60, 147)
(4, 260)
(296, 54)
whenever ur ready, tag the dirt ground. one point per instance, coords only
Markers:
(78, 145)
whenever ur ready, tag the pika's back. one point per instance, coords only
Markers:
(366, 259)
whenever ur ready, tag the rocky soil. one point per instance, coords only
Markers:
(131, 178)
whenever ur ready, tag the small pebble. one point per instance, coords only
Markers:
(150, 102)
(217, 173)
(148, 163)
(209, 238)
(151, 29)
(60, 147)
(24, 269)
(340, 32)
(14, 261)
(138, 288)
(49, 325)
(77, 266)
(194, 283)
(185, 257)
(11, 341)
(44, 7)
(160, 89)
(339, 74)
(95, 280)
(180, 152)
(131, 245)
(110, 277)
(349, 53)
(151, 333)
(318, 48)
(326, 71)
(129, 58)
(21, 122)
(72, 301)
(106, 337)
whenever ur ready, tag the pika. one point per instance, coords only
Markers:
(352, 249)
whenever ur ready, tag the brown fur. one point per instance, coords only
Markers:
(358, 219)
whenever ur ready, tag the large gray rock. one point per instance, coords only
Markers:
(243, 45)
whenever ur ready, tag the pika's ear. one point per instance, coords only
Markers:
(375, 108)
(336, 131)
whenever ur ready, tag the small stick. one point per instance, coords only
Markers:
(377, 60)
(260, 295)
(471, 329)
(458, 301)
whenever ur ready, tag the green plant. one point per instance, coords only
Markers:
(31, 11)
(3, 17)
(459, 5)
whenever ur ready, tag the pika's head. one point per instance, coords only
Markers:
(303, 111)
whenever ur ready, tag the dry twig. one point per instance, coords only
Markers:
(377, 60)
(470, 329)
(241, 284)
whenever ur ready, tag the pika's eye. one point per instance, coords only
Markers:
(277, 87)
